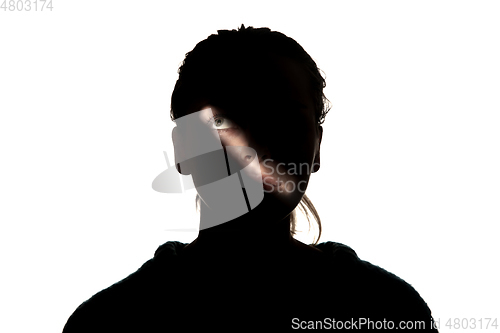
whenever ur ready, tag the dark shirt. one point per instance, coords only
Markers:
(174, 292)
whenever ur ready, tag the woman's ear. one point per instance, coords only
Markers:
(178, 150)
(316, 162)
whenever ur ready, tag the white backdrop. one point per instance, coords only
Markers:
(410, 154)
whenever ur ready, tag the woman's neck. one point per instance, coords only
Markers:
(247, 235)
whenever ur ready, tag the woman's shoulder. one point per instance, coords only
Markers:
(337, 251)
(342, 260)
(120, 306)
(367, 286)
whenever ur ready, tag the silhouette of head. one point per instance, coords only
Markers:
(253, 88)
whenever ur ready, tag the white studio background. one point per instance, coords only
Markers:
(410, 155)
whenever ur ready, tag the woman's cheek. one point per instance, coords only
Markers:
(232, 137)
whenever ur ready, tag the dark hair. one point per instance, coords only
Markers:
(209, 71)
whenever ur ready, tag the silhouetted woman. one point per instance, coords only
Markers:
(249, 105)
